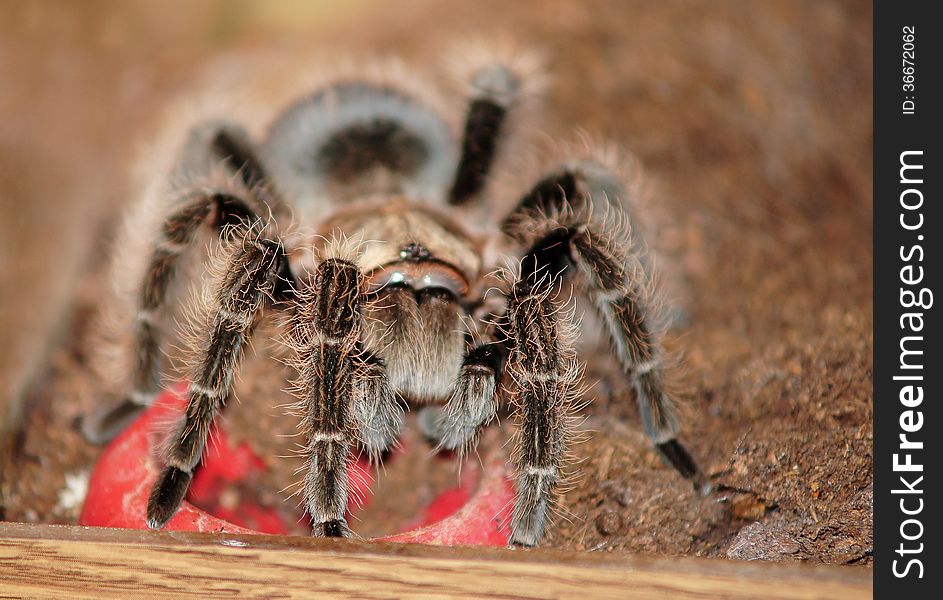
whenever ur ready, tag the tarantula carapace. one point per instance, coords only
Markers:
(399, 281)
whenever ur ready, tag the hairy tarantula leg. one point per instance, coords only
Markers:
(623, 304)
(376, 410)
(233, 146)
(177, 234)
(544, 369)
(250, 279)
(473, 403)
(495, 87)
(343, 390)
(617, 282)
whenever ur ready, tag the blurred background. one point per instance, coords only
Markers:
(752, 120)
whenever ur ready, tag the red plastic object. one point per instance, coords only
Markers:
(473, 514)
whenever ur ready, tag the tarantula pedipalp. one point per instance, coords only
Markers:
(394, 305)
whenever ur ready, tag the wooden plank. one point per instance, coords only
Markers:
(49, 561)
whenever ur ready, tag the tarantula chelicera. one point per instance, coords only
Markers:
(400, 281)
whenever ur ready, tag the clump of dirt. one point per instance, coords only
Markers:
(753, 123)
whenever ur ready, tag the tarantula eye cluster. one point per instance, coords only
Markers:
(392, 309)
(420, 275)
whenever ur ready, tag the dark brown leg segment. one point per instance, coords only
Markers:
(343, 391)
(249, 281)
(602, 254)
(544, 370)
(177, 235)
(496, 89)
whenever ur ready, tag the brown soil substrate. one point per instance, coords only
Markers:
(753, 123)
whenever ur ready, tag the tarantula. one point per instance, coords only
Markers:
(396, 240)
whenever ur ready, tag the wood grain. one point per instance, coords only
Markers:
(49, 561)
